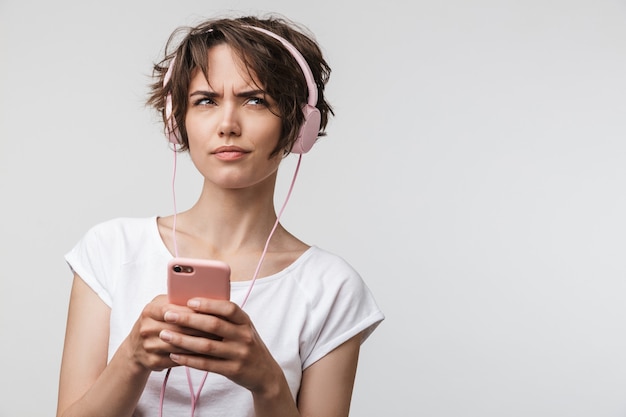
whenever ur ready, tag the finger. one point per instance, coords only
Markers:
(222, 308)
(193, 345)
(154, 353)
(153, 344)
(146, 335)
(159, 305)
(237, 371)
(175, 323)
(203, 325)
(207, 363)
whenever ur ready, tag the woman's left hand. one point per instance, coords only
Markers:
(228, 344)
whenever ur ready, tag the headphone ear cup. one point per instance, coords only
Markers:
(171, 131)
(172, 134)
(308, 131)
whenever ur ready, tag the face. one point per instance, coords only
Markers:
(231, 124)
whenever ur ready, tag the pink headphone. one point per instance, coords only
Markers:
(304, 142)
(312, 118)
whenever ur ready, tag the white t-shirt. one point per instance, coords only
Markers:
(301, 313)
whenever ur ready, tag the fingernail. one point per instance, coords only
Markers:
(165, 335)
(193, 303)
(170, 316)
(174, 357)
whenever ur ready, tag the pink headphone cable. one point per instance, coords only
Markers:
(196, 396)
(174, 202)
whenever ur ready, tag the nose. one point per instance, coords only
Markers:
(229, 123)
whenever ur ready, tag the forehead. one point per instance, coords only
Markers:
(223, 66)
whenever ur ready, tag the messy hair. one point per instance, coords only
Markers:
(265, 59)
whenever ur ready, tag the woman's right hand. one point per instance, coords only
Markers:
(92, 385)
(146, 348)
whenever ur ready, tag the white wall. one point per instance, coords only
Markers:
(475, 175)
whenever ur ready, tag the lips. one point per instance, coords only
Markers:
(229, 149)
(229, 152)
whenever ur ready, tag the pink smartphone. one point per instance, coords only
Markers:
(188, 278)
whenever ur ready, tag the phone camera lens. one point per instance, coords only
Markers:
(178, 268)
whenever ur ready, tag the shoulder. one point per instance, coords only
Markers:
(340, 304)
(323, 261)
(120, 234)
(122, 227)
(322, 273)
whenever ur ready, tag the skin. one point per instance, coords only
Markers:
(230, 221)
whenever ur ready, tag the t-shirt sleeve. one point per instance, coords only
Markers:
(342, 309)
(89, 258)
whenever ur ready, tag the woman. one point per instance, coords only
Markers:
(234, 95)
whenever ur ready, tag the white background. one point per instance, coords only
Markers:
(475, 175)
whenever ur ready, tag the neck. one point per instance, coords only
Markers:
(225, 221)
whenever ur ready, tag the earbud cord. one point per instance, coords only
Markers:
(267, 242)
(195, 396)
(174, 202)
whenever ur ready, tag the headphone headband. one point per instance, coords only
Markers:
(306, 70)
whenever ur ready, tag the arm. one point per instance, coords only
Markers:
(325, 391)
(87, 385)
(326, 388)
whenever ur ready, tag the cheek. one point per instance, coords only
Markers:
(274, 131)
(198, 132)
(191, 127)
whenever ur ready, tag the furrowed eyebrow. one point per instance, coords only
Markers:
(211, 94)
(251, 93)
(203, 93)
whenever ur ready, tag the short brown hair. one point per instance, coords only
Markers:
(262, 55)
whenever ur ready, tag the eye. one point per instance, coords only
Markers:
(257, 101)
(203, 101)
